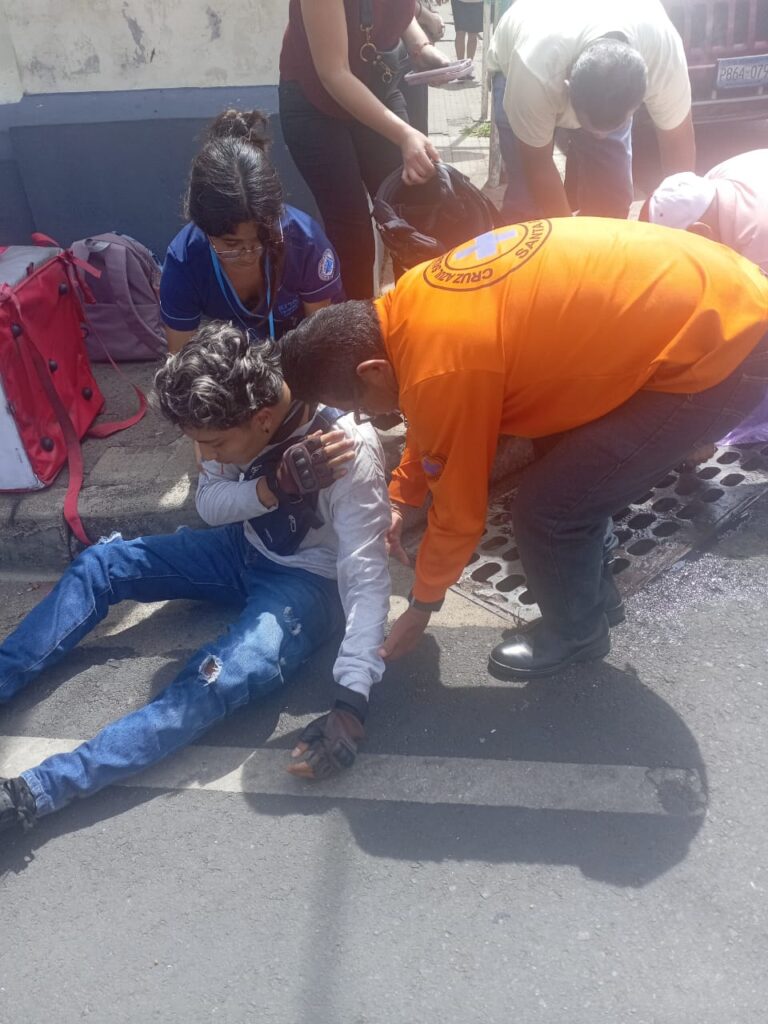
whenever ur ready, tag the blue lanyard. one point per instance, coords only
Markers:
(230, 293)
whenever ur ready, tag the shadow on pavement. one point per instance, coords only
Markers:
(596, 714)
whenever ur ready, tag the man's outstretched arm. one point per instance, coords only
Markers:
(456, 419)
(360, 513)
(677, 147)
(544, 181)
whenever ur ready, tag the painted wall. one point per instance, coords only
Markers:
(10, 79)
(106, 45)
(103, 102)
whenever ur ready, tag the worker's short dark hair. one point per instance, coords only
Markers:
(320, 357)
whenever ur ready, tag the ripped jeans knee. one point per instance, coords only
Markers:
(210, 668)
(234, 682)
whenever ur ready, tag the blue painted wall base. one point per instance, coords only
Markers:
(78, 164)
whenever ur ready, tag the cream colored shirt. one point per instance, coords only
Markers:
(537, 41)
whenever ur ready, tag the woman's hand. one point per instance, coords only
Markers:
(431, 22)
(419, 158)
(427, 57)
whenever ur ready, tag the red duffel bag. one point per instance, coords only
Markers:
(49, 398)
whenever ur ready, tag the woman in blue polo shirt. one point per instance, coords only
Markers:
(245, 256)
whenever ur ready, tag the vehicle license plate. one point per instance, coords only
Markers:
(742, 72)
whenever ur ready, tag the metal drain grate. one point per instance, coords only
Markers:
(682, 512)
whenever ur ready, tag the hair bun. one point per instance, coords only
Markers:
(250, 125)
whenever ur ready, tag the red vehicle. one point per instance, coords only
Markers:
(726, 42)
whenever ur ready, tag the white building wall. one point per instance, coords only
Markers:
(10, 79)
(55, 46)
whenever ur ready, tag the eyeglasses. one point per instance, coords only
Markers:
(238, 254)
(360, 417)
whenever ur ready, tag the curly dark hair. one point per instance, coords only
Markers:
(232, 182)
(218, 380)
(320, 357)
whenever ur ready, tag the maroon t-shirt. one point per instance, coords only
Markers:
(390, 20)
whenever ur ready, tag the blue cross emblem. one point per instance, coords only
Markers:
(487, 244)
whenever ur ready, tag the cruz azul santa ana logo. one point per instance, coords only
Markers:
(488, 259)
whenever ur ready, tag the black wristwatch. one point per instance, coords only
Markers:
(424, 606)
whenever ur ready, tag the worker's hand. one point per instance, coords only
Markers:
(405, 634)
(327, 745)
(419, 158)
(393, 537)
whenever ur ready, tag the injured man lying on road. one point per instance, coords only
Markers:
(298, 506)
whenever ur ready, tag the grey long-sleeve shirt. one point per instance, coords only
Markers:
(349, 547)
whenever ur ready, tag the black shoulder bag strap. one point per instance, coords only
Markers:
(282, 529)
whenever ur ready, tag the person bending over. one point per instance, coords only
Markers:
(616, 346)
(585, 68)
(728, 204)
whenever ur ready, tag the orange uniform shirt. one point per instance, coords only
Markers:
(540, 327)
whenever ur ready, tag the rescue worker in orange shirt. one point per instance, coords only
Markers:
(616, 346)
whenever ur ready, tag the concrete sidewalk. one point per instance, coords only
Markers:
(454, 116)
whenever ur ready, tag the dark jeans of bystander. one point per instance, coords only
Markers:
(566, 498)
(343, 163)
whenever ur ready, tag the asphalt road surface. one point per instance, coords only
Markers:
(582, 850)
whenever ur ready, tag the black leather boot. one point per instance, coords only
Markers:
(613, 603)
(540, 651)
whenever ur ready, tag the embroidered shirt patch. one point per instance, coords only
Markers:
(326, 268)
(488, 259)
(433, 466)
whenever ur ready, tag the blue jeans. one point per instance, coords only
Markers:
(598, 176)
(563, 508)
(286, 615)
